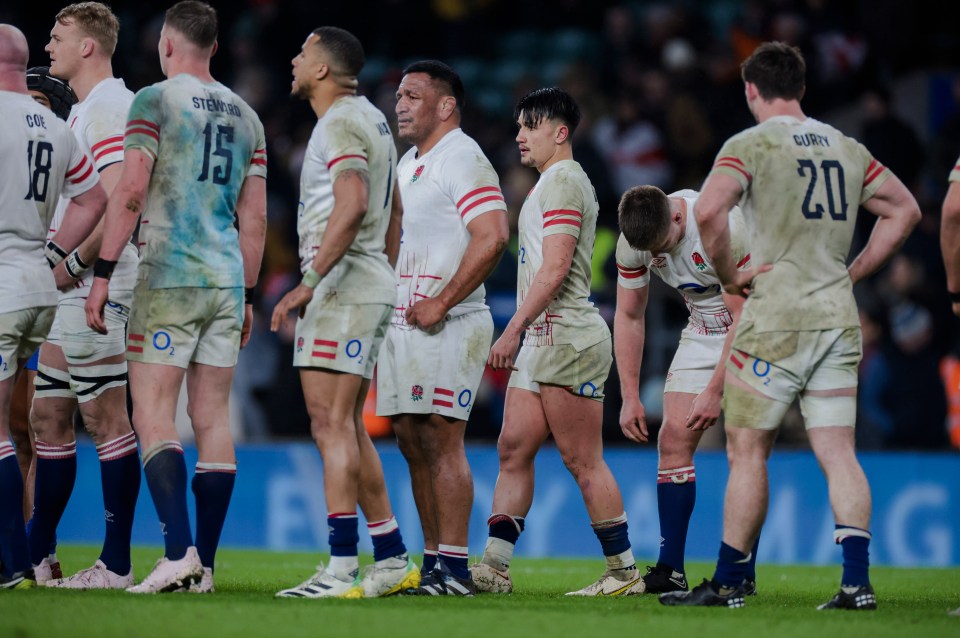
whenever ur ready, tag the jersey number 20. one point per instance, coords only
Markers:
(813, 210)
(224, 136)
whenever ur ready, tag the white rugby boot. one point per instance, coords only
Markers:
(96, 577)
(171, 575)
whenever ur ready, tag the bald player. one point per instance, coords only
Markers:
(40, 161)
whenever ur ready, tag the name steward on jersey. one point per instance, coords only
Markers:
(215, 105)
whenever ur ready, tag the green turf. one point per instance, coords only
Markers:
(913, 602)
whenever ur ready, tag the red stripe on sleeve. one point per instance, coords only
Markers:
(85, 175)
(485, 189)
(258, 161)
(482, 200)
(873, 176)
(743, 261)
(729, 158)
(344, 157)
(631, 273)
(76, 169)
(727, 164)
(146, 123)
(143, 131)
(563, 211)
(106, 151)
(113, 139)
(569, 222)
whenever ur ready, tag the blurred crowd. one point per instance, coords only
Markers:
(659, 87)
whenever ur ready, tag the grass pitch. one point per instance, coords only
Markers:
(913, 602)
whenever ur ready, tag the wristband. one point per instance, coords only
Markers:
(954, 297)
(103, 268)
(247, 296)
(75, 266)
(311, 278)
(54, 253)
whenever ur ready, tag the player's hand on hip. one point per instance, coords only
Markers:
(296, 299)
(96, 300)
(426, 314)
(743, 281)
(705, 410)
(502, 352)
(633, 420)
(247, 325)
(63, 280)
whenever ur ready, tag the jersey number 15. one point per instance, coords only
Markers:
(219, 142)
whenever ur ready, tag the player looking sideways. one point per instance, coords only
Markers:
(194, 161)
(77, 364)
(556, 386)
(800, 182)
(454, 232)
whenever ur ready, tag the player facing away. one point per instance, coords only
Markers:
(40, 161)
(56, 95)
(454, 232)
(349, 222)
(77, 364)
(801, 182)
(659, 234)
(556, 386)
(194, 161)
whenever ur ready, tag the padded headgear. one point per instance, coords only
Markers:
(59, 93)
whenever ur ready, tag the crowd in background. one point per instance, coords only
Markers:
(659, 87)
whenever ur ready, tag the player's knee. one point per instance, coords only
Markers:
(409, 446)
(514, 452)
(674, 450)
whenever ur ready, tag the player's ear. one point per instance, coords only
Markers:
(213, 51)
(448, 106)
(86, 47)
(323, 70)
(562, 135)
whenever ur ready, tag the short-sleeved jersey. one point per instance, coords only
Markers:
(802, 182)
(205, 141)
(40, 161)
(688, 269)
(352, 134)
(442, 190)
(98, 123)
(955, 173)
(562, 202)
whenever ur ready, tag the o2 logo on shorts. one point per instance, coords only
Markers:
(464, 399)
(3, 364)
(762, 369)
(162, 342)
(416, 393)
(588, 390)
(354, 350)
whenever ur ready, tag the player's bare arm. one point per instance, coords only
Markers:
(90, 247)
(489, 235)
(558, 251)
(82, 216)
(899, 213)
(395, 227)
(950, 241)
(252, 218)
(720, 193)
(705, 410)
(629, 333)
(123, 212)
(350, 191)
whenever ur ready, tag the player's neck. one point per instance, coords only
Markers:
(92, 74)
(13, 79)
(563, 152)
(199, 69)
(324, 97)
(777, 107)
(435, 136)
